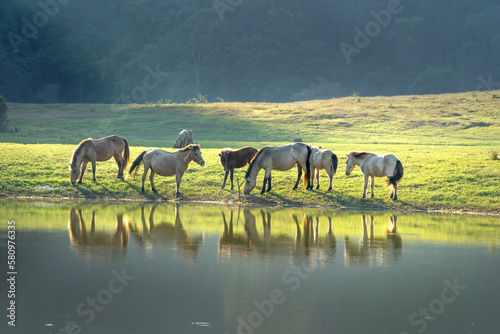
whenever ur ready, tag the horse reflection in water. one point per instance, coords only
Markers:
(164, 232)
(102, 243)
(305, 240)
(374, 251)
(308, 238)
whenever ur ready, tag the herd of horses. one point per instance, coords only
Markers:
(311, 159)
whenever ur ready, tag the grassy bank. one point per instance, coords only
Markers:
(444, 141)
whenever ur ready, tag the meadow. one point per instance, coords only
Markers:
(445, 142)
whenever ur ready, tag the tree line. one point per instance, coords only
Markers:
(116, 51)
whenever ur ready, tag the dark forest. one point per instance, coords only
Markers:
(117, 51)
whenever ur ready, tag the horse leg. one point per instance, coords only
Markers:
(269, 183)
(226, 173)
(178, 177)
(372, 179)
(394, 194)
(267, 178)
(151, 180)
(365, 185)
(93, 169)
(330, 176)
(146, 170)
(299, 175)
(232, 176)
(84, 166)
(316, 173)
(121, 164)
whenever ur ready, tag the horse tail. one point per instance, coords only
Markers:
(135, 164)
(393, 180)
(307, 178)
(126, 154)
(335, 163)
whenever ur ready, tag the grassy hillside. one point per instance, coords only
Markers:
(444, 141)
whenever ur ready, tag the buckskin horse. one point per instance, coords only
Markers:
(167, 164)
(372, 165)
(323, 159)
(90, 150)
(235, 159)
(278, 158)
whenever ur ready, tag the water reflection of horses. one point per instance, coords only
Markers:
(304, 241)
(153, 232)
(89, 242)
(374, 251)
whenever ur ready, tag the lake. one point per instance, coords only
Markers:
(160, 268)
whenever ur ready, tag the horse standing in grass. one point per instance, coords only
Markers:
(279, 158)
(90, 150)
(235, 159)
(323, 159)
(167, 164)
(373, 165)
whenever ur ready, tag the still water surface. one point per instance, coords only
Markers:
(88, 268)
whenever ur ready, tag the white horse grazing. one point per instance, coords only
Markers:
(278, 158)
(373, 165)
(323, 159)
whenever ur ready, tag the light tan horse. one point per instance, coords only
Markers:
(167, 164)
(373, 165)
(323, 159)
(90, 150)
(279, 158)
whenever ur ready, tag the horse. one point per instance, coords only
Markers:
(279, 158)
(167, 164)
(373, 165)
(235, 159)
(90, 150)
(323, 159)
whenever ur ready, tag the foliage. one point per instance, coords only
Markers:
(4, 122)
(148, 50)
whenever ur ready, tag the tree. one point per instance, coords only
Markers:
(4, 122)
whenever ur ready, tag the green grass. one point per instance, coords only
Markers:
(444, 141)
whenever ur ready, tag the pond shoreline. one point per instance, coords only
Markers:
(249, 204)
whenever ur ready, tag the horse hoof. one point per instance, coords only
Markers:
(316, 187)
(154, 190)
(178, 195)
(142, 189)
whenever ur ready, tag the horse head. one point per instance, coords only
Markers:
(249, 184)
(349, 164)
(196, 155)
(224, 155)
(75, 172)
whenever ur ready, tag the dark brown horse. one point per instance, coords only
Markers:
(90, 150)
(235, 159)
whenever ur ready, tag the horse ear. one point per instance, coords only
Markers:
(347, 155)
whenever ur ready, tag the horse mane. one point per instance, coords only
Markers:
(226, 150)
(78, 149)
(357, 155)
(253, 161)
(190, 146)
